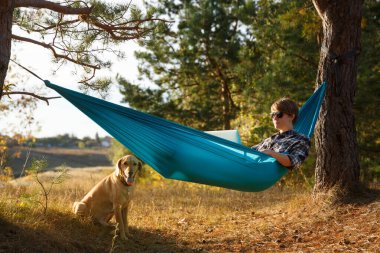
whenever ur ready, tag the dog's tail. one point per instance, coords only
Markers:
(79, 208)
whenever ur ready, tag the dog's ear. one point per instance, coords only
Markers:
(140, 166)
(119, 163)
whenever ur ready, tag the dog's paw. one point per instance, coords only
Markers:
(79, 208)
(124, 237)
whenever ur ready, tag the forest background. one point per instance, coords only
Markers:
(222, 63)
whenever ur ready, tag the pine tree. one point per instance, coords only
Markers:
(337, 161)
(193, 63)
(76, 32)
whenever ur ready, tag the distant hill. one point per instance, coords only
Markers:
(56, 156)
(63, 141)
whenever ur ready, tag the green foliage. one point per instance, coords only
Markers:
(6, 173)
(117, 151)
(367, 98)
(67, 141)
(284, 61)
(249, 49)
(37, 167)
(85, 40)
(192, 64)
(262, 50)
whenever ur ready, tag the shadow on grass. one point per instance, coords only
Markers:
(360, 195)
(20, 238)
(68, 234)
(16, 238)
(149, 242)
(363, 196)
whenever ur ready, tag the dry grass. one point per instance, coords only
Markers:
(170, 216)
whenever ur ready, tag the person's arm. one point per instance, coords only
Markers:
(297, 154)
(261, 145)
(255, 147)
(283, 159)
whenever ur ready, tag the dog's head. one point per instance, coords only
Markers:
(127, 168)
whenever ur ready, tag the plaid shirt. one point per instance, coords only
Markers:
(291, 143)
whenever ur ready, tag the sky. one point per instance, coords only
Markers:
(60, 117)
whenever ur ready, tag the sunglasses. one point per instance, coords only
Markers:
(276, 114)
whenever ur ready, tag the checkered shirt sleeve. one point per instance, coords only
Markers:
(298, 152)
(295, 145)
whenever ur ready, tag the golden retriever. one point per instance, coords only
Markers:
(111, 196)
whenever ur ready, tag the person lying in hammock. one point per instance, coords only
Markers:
(287, 146)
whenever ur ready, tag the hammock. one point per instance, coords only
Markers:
(182, 153)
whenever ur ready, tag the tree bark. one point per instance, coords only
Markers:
(337, 163)
(226, 106)
(6, 15)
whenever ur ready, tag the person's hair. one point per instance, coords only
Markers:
(287, 106)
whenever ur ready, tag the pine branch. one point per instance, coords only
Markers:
(46, 99)
(115, 30)
(311, 63)
(77, 29)
(42, 4)
(54, 26)
(56, 55)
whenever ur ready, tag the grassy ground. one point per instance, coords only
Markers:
(170, 216)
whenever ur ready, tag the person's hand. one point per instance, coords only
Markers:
(268, 152)
(283, 159)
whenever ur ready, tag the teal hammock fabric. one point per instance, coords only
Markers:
(182, 153)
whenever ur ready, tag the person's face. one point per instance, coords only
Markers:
(282, 121)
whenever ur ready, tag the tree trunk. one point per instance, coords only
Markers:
(337, 163)
(226, 106)
(6, 15)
